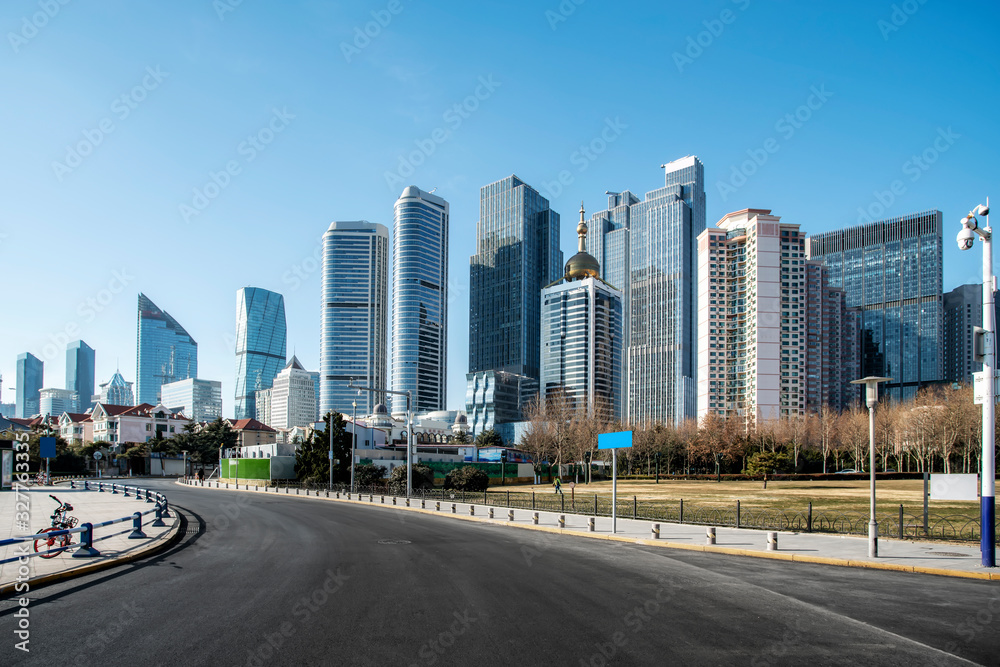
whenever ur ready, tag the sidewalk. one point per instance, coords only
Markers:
(943, 558)
(88, 506)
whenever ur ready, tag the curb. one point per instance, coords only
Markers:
(172, 537)
(729, 551)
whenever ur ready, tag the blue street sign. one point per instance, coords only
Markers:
(47, 448)
(620, 440)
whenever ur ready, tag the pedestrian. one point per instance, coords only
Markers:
(558, 485)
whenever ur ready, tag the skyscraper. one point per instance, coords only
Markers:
(773, 337)
(648, 250)
(198, 400)
(117, 391)
(293, 397)
(963, 310)
(581, 342)
(80, 374)
(165, 352)
(517, 254)
(892, 270)
(419, 343)
(30, 371)
(260, 345)
(353, 317)
(53, 402)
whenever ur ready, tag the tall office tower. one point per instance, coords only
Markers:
(582, 337)
(165, 352)
(496, 397)
(53, 402)
(293, 398)
(892, 270)
(517, 254)
(30, 371)
(198, 400)
(6, 409)
(80, 374)
(260, 345)
(963, 310)
(419, 343)
(648, 250)
(774, 338)
(353, 319)
(116, 391)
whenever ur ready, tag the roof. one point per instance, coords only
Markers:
(251, 425)
(77, 416)
(294, 363)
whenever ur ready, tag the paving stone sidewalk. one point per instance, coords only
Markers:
(930, 557)
(111, 541)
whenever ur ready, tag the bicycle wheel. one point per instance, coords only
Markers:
(44, 544)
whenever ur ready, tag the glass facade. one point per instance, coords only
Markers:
(648, 250)
(80, 374)
(198, 400)
(495, 397)
(117, 391)
(517, 254)
(892, 270)
(165, 352)
(419, 344)
(30, 370)
(260, 345)
(353, 316)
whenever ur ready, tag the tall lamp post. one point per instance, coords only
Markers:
(409, 430)
(329, 439)
(985, 341)
(354, 437)
(871, 398)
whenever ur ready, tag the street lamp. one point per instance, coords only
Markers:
(409, 430)
(871, 395)
(354, 437)
(966, 239)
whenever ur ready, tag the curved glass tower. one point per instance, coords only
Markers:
(420, 300)
(165, 352)
(353, 316)
(260, 345)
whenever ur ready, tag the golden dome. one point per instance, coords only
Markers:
(582, 264)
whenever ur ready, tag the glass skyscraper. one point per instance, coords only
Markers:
(648, 250)
(353, 317)
(80, 374)
(892, 270)
(517, 254)
(260, 345)
(419, 343)
(30, 370)
(165, 352)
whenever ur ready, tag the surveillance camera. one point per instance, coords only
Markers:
(966, 238)
(970, 222)
(983, 210)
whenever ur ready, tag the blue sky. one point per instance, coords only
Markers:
(222, 138)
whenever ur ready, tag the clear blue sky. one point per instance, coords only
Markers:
(199, 80)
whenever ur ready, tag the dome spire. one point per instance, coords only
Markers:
(581, 230)
(582, 264)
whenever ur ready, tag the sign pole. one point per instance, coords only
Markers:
(614, 491)
(614, 442)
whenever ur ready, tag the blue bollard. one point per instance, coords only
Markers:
(86, 549)
(72, 484)
(100, 487)
(136, 533)
(114, 489)
(125, 489)
(166, 508)
(148, 499)
(86, 485)
(158, 521)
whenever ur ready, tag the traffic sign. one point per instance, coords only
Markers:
(97, 456)
(619, 440)
(47, 448)
(979, 388)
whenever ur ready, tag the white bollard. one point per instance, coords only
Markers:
(437, 506)
(562, 520)
(510, 515)
(772, 541)
(590, 524)
(472, 510)
(454, 508)
(534, 518)
(710, 535)
(654, 532)
(491, 512)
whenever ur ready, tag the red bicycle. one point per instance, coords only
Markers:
(60, 521)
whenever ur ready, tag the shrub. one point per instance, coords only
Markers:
(368, 474)
(423, 478)
(762, 463)
(467, 478)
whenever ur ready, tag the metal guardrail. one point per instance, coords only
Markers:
(86, 549)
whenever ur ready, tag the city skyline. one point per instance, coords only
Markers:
(801, 148)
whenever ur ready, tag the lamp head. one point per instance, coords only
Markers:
(966, 238)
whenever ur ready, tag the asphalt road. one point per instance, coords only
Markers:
(270, 580)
